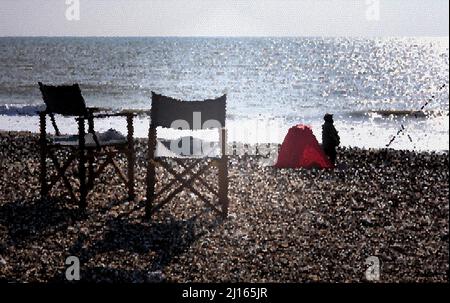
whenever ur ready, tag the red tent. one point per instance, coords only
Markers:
(301, 149)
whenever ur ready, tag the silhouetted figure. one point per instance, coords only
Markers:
(330, 138)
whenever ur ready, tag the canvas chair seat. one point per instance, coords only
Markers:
(108, 138)
(192, 160)
(198, 149)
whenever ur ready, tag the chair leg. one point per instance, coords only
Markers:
(223, 185)
(90, 174)
(150, 189)
(223, 173)
(150, 179)
(81, 164)
(83, 187)
(130, 158)
(43, 156)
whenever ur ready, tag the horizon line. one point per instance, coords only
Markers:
(220, 36)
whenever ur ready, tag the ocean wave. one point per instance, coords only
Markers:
(398, 113)
(33, 110)
(20, 109)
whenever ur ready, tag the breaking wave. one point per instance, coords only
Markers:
(20, 109)
(398, 114)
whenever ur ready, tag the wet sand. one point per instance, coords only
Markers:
(284, 225)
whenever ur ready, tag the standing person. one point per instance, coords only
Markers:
(330, 138)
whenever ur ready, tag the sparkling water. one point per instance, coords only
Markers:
(374, 87)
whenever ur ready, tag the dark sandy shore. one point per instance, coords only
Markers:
(284, 225)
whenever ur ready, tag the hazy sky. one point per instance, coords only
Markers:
(226, 18)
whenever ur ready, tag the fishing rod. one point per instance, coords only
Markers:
(402, 127)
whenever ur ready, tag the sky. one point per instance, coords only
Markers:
(224, 18)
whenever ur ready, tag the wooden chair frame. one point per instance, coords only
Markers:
(86, 154)
(152, 162)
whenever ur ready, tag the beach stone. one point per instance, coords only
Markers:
(155, 277)
(285, 225)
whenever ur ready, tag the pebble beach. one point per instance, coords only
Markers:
(284, 225)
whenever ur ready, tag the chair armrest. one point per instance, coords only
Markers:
(98, 109)
(128, 114)
(109, 115)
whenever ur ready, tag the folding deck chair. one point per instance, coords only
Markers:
(88, 147)
(194, 115)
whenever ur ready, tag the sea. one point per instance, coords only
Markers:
(383, 92)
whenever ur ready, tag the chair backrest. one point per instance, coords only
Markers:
(166, 110)
(65, 99)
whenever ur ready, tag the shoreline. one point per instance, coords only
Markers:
(273, 145)
(285, 225)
